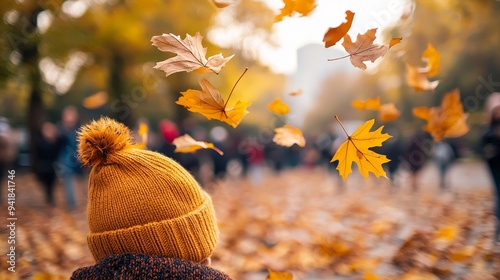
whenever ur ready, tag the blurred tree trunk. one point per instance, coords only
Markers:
(116, 87)
(28, 47)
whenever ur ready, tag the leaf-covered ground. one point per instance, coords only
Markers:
(304, 222)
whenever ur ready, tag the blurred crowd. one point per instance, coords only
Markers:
(54, 159)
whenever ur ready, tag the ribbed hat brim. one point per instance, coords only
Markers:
(192, 237)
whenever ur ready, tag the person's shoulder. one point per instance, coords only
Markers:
(139, 266)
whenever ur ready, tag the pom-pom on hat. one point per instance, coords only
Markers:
(141, 201)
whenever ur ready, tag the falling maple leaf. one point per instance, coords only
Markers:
(278, 107)
(276, 275)
(210, 104)
(364, 49)
(448, 120)
(190, 55)
(388, 112)
(292, 7)
(334, 34)
(419, 81)
(186, 144)
(371, 104)
(432, 57)
(356, 149)
(288, 135)
(95, 100)
(222, 3)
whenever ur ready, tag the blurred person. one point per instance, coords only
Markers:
(148, 217)
(47, 151)
(392, 148)
(218, 136)
(256, 161)
(67, 164)
(170, 131)
(415, 156)
(7, 151)
(491, 150)
(444, 155)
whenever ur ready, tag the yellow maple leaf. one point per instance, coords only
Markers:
(433, 58)
(210, 104)
(364, 49)
(276, 275)
(356, 148)
(371, 103)
(186, 144)
(418, 80)
(388, 112)
(278, 107)
(448, 120)
(190, 55)
(334, 34)
(289, 135)
(292, 7)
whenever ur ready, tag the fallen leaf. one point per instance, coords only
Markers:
(295, 93)
(388, 112)
(186, 144)
(371, 104)
(448, 120)
(190, 55)
(432, 57)
(292, 7)
(394, 41)
(419, 81)
(210, 104)
(276, 275)
(288, 135)
(278, 107)
(95, 100)
(334, 34)
(356, 148)
(222, 3)
(364, 49)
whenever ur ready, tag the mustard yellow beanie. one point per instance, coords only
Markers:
(141, 201)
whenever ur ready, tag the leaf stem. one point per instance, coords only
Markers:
(231, 93)
(339, 58)
(345, 131)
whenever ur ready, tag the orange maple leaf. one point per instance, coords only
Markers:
(190, 55)
(371, 104)
(448, 120)
(278, 107)
(364, 49)
(292, 7)
(433, 58)
(388, 112)
(186, 144)
(288, 135)
(276, 275)
(356, 148)
(334, 34)
(418, 80)
(210, 104)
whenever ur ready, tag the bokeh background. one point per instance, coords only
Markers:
(64, 63)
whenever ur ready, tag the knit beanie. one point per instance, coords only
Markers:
(140, 201)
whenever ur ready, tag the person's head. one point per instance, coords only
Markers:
(140, 201)
(49, 131)
(492, 108)
(69, 117)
